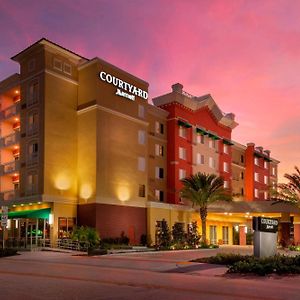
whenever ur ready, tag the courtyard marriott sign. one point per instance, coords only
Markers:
(124, 89)
(265, 224)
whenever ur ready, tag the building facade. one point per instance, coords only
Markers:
(82, 145)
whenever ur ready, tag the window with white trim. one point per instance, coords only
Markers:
(142, 137)
(141, 163)
(159, 150)
(200, 139)
(265, 195)
(57, 64)
(226, 184)
(200, 159)
(256, 193)
(225, 166)
(159, 195)
(211, 162)
(141, 111)
(273, 171)
(256, 161)
(67, 69)
(266, 181)
(266, 165)
(159, 173)
(225, 148)
(212, 144)
(256, 177)
(159, 127)
(182, 131)
(182, 153)
(182, 173)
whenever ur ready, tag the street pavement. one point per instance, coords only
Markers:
(148, 275)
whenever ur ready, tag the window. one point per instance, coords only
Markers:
(33, 92)
(213, 234)
(31, 65)
(200, 159)
(141, 164)
(159, 150)
(256, 177)
(242, 175)
(225, 235)
(266, 165)
(226, 167)
(32, 123)
(141, 111)
(182, 132)
(159, 127)
(141, 137)
(212, 143)
(226, 184)
(159, 172)
(57, 64)
(256, 161)
(211, 162)
(242, 192)
(65, 227)
(265, 179)
(242, 158)
(256, 193)
(33, 149)
(265, 195)
(159, 195)
(142, 190)
(32, 181)
(225, 149)
(67, 69)
(182, 174)
(273, 171)
(182, 153)
(200, 139)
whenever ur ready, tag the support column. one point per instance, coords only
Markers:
(284, 233)
(242, 234)
(297, 230)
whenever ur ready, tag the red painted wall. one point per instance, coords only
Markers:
(111, 220)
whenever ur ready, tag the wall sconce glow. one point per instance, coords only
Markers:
(236, 227)
(51, 219)
(123, 193)
(62, 182)
(86, 191)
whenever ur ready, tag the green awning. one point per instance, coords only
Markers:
(228, 142)
(30, 214)
(201, 131)
(184, 124)
(213, 136)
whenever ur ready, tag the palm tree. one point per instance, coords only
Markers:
(290, 191)
(203, 189)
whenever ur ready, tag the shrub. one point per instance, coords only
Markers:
(86, 235)
(178, 233)
(193, 236)
(162, 235)
(7, 252)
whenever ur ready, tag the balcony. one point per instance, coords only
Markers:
(10, 140)
(9, 195)
(9, 112)
(8, 168)
(31, 189)
(32, 129)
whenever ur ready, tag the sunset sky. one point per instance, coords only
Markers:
(246, 54)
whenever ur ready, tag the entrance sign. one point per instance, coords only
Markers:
(265, 224)
(124, 89)
(265, 236)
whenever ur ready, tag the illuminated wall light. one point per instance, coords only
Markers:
(86, 191)
(17, 92)
(14, 205)
(226, 213)
(30, 203)
(230, 214)
(236, 227)
(39, 202)
(22, 204)
(17, 224)
(123, 193)
(51, 219)
(62, 182)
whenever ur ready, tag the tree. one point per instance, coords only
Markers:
(290, 191)
(203, 189)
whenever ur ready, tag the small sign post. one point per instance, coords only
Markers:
(265, 236)
(4, 217)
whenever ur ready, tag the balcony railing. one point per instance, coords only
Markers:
(9, 195)
(10, 140)
(10, 167)
(31, 189)
(10, 111)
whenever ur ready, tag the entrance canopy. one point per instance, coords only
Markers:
(30, 214)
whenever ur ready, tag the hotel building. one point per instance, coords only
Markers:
(81, 145)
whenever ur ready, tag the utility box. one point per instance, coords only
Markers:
(265, 236)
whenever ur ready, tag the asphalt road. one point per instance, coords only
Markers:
(155, 275)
